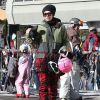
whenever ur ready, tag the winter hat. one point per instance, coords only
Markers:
(76, 21)
(50, 8)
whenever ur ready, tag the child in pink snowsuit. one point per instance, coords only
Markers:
(22, 80)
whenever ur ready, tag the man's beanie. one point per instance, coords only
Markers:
(50, 8)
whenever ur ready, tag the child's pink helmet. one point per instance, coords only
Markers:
(65, 65)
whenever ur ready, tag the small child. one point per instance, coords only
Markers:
(65, 66)
(22, 80)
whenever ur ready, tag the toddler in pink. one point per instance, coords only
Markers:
(22, 80)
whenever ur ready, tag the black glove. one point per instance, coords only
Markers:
(35, 36)
(33, 33)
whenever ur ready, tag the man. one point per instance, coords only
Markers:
(53, 38)
(73, 35)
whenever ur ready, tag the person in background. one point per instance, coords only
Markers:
(11, 63)
(91, 46)
(53, 38)
(74, 38)
(92, 41)
(13, 41)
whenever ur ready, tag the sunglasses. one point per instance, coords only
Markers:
(47, 14)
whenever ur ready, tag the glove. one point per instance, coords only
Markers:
(33, 33)
(34, 36)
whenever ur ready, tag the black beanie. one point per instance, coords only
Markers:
(50, 8)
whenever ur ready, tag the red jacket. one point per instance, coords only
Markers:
(96, 41)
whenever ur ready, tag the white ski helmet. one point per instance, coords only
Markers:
(25, 48)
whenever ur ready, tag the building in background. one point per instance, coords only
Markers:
(28, 12)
